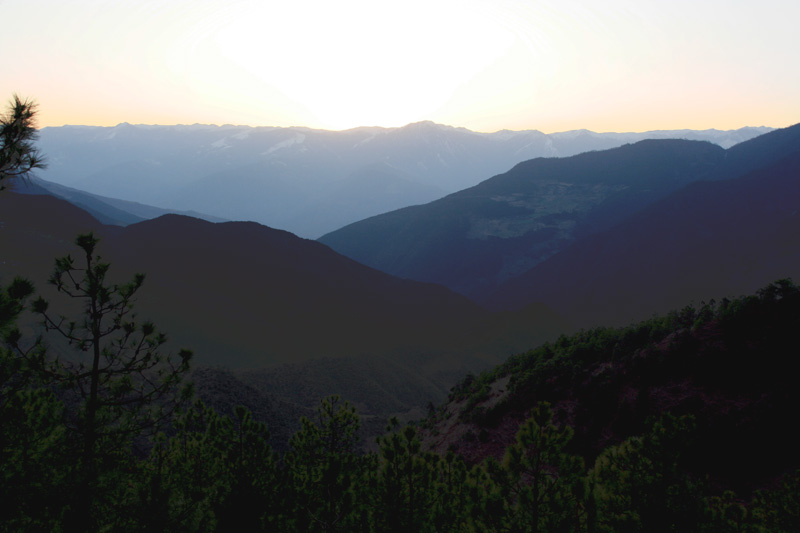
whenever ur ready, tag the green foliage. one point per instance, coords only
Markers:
(778, 510)
(538, 486)
(216, 473)
(406, 481)
(324, 470)
(12, 302)
(18, 157)
(36, 468)
(728, 513)
(638, 485)
(117, 383)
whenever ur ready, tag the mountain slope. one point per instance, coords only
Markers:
(728, 366)
(705, 241)
(246, 296)
(474, 239)
(291, 296)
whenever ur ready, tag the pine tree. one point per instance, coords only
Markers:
(407, 482)
(119, 384)
(216, 473)
(638, 485)
(538, 486)
(325, 470)
(18, 157)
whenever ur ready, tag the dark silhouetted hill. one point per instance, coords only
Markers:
(245, 296)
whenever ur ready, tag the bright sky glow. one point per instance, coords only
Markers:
(552, 65)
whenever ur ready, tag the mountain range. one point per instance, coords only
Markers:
(306, 181)
(280, 321)
(495, 241)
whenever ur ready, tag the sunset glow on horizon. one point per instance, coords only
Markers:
(621, 65)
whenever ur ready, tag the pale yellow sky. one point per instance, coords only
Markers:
(617, 65)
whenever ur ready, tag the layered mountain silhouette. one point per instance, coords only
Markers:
(307, 181)
(707, 241)
(107, 210)
(602, 237)
(246, 296)
(478, 239)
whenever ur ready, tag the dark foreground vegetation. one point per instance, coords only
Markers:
(100, 432)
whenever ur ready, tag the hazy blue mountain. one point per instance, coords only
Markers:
(303, 180)
(706, 241)
(107, 210)
(477, 238)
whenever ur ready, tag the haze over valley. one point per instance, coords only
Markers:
(309, 182)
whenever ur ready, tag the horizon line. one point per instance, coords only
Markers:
(420, 122)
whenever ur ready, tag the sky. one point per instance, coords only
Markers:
(487, 65)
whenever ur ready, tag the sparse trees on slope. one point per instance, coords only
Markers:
(18, 156)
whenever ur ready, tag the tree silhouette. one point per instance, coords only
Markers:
(119, 382)
(18, 157)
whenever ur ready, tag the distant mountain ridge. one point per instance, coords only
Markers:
(303, 180)
(106, 210)
(483, 236)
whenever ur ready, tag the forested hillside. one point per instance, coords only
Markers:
(682, 422)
